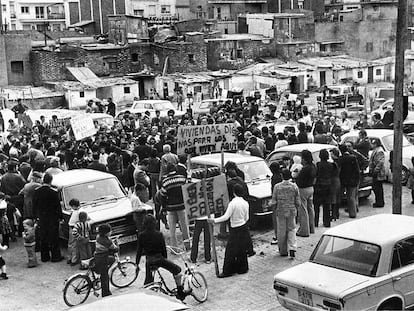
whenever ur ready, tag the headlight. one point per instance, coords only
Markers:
(266, 204)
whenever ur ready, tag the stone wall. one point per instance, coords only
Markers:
(358, 38)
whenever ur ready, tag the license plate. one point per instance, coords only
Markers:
(305, 297)
(127, 239)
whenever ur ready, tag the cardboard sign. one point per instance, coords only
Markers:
(59, 124)
(201, 139)
(27, 122)
(82, 127)
(217, 196)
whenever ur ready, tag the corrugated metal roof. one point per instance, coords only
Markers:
(83, 74)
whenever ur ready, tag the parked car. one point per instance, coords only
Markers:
(390, 104)
(206, 106)
(152, 105)
(102, 196)
(277, 155)
(257, 177)
(339, 95)
(355, 266)
(382, 95)
(386, 138)
(147, 300)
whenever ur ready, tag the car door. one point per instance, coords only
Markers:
(402, 269)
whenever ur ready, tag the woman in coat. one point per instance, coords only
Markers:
(325, 172)
(377, 170)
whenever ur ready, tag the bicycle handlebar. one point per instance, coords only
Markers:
(176, 250)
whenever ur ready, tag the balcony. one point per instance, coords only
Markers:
(56, 16)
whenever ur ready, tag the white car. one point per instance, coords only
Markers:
(102, 196)
(152, 105)
(257, 177)
(365, 264)
(390, 104)
(387, 142)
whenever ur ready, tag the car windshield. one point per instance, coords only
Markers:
(386, 93)
(388, 142)
(94, 191)
(256, 170)
(163, 106)
(346, 254)
(334, 90)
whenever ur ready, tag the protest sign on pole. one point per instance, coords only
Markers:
(217, 197)
(201, 139)
(82, 127)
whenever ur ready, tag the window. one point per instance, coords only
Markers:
(197, 89)
(218, 13)
(239, 53)
(191, 58)
(81, 94)
(156, 60)
(13, 26)
(378, 72)
(226, 31)
(24, 9)
(127, 90)
(403, 254)
(165, 9)
(139, 12)
(134, 57)
(17, 67)
(112, 65)
(27, 27)
(56, 27)
(341, 18)
(81, 64)
(40, 12)
(360, 74)
(369, 47)
(151, 10)
(4, 8)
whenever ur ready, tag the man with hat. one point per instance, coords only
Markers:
(28, 192)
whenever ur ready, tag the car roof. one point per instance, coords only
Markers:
(215, 158)
(151, 101)
(78, 176)
(371, 132)
(306, 146)
(378, 229)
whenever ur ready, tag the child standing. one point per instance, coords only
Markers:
(3, 274)
(74, 218)
(81, 233)
(5, 228)
(296, 166)
(29, 242)
(104, 251)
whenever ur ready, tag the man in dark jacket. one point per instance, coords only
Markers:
(47, 209)
(349, 177)
(363, 144)
(95, 165)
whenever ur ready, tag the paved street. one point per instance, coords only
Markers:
(41, 288)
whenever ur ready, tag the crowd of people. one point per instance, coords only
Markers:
(141, 152)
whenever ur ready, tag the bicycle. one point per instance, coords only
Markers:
(122, 273)
(195, 284)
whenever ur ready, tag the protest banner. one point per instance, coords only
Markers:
(59, 124)
(26, 120)
(201, 139)
(195, 198)
(82, 127)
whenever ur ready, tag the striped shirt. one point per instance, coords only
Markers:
(81, 230)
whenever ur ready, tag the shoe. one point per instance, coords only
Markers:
(243, 272)
(193, 261)
(222, 275)
(283, 255)
(57, 259)
(45, 260)
(251, 254)
(274, 241)
(375, 205)
(292, 253)
(180, 293)
(208, 262)
(301, 235)
(4, 276)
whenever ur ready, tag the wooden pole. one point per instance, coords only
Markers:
(210, 225)
(398, 106)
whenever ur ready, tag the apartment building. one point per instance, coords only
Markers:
(35, 14)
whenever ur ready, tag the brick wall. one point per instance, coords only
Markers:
(223, 54)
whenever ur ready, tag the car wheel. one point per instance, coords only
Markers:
(405, 173)
(395, 304)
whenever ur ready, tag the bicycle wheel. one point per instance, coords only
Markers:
(198, 285)
(156, 287)
(124, 274)
(76, 290)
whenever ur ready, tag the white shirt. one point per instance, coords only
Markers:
(74, 218)
(237, 212)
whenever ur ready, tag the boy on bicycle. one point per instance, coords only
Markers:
(152, 243)
(104, 256)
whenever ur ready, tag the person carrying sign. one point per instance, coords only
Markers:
(235, 257)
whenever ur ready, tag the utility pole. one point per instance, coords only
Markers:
(398, 106)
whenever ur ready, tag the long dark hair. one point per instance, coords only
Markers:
(149, 223)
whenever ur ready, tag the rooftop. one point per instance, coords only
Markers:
(27, 92)
(239, 37)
